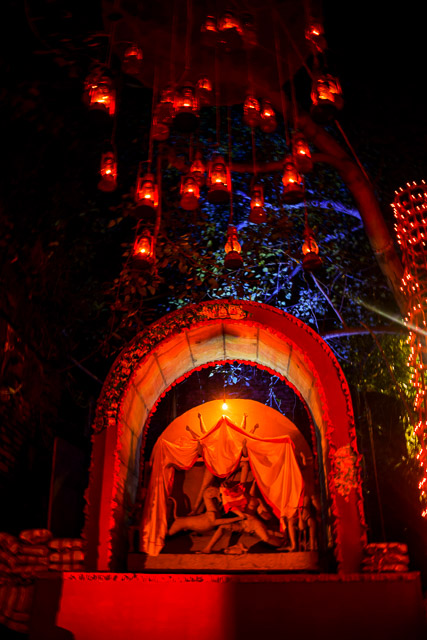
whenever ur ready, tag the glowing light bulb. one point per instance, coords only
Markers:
(224, 406)
(108, 172)
(219, 181)
(143, 251)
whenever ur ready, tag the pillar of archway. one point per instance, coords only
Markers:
(196, 336)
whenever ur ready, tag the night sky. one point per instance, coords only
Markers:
(379, 53)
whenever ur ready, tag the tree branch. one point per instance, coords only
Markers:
(323, 292)
(353, 331)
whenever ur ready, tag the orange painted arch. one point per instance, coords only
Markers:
(197, 336)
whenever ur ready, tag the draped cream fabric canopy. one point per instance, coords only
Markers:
(272, 461)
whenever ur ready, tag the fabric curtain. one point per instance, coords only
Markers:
(272, 461)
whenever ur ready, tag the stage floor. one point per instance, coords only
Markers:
(220, 562)
(127, 606)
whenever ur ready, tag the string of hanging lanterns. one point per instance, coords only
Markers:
(178, 108)
(233, 258)
(257, 214)
(326, 92)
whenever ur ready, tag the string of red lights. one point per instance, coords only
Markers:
(410, 207)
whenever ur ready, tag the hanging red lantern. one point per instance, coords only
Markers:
(251, 112)
(100, 92)
(209, 32)
(268, 122)
(108, 172)
(165, 110)
(146, 194)
(143, 250)
(293, 184)
(231, 31)
(159, 130)
(209, 24)
(186, 108)
(301, 152)
(326, 97)
(190, 193)
(132, 60)
(315, 35)
(257, 215)
(230, 21)
(311, 259)
(219, 181)
(250, 36)
(198, 170)
(204, 92)
(233, 259)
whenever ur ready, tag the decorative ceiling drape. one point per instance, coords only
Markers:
(272, 461)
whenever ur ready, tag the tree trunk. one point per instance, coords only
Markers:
(366, 201)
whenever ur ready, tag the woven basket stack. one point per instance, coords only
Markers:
(35, 553)
(385, 557)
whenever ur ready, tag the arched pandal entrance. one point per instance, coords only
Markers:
(192, 337)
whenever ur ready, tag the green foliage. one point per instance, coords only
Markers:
(367, 364)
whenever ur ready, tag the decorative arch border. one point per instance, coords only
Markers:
(250, 363)
(109, 470)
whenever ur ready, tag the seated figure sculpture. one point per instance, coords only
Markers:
(244, 505)
(248, 522)
(247, 511)
(204, 521)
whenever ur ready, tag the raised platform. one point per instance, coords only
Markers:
(220, 562)
(126, 606)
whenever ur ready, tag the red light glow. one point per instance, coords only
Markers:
(257, 215)
(132, 60)
(293, 184)
(268, 122)
(314, 33)
(326, 97)
(410, 210)
(233, 259)
(185, 100)
(143, 250)
(186, 107)
(230, 21)
(301, 152)
(108, 172)
(190, 193)
(100, 92)
(251, 112)
(209, 24)
(198, 170)
(219, 181)
(146, 191)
